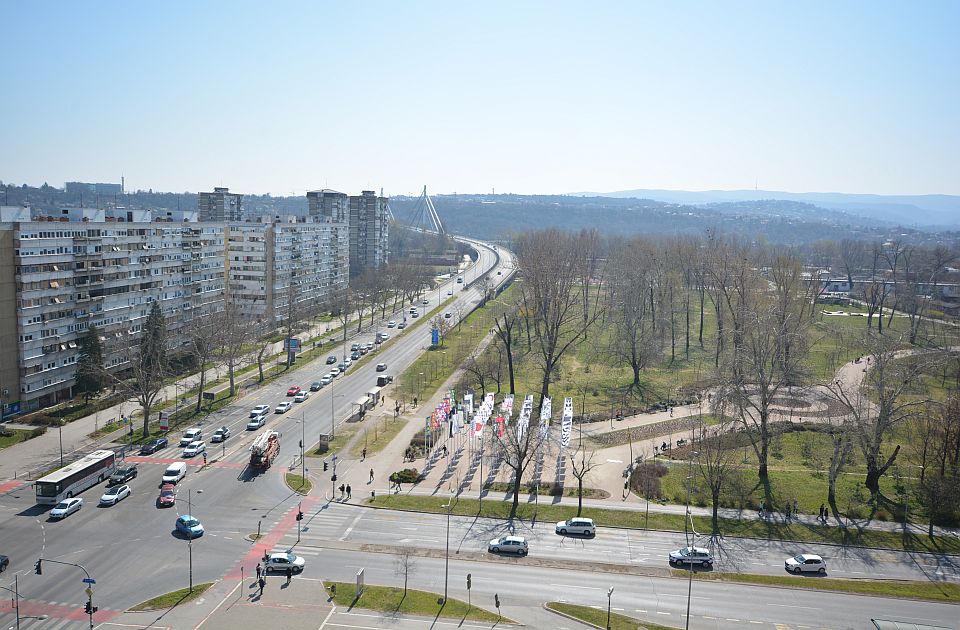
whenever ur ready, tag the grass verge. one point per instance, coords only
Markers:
(377, 436)
(171, 599)
(932, 591)
(298, 484)
(636, 519)
(19, 435)
(598, 617)
(393, 600)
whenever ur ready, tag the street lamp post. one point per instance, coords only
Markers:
(693, 455)
(446, 562)
(609, 598)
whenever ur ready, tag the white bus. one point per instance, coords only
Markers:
(76, 477)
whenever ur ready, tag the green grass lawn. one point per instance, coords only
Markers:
(19, 435)
(393, 600)
(750, 527)
(173, 598)
(377, 434)
(933, 591)
(298, 484)
(598, 617)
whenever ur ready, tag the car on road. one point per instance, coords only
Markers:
(174, 473)
(255, 423)
(342, 367)
(348, 362)
(192, 435)
(460, 280)
(66, 507)
(414, 314)
(577, 525)
(293, 391)
(326, 379)
(450, 292)
(425, 303)
(391, 324)
(189, 526)
(168, 495)
(259, 410)
(805, 563)
(331, 360)
(355, 356)
(301, 397)
(447, 316)
(691, 556)
(194, 448)
(154, 445)
(381, 367)
(284, 561)
(401, 325)
(116, 494)
(508, 544)
(283, 407)
(221, 434)
(4, 563)
(123, 472)
(363, 350)
(354, 347)
(315, 386)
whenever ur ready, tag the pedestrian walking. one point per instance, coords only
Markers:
(363, 454)
(348, 491)
(289, 574)
(671, 412)
(262, 582)
(342, 489)
(371, 475)
(259, 571)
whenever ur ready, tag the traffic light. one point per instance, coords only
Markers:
(333, 478)
(299, 516)
(324, 466)
(38, 567)
(88, 607)
(496, 600)
(468, 581)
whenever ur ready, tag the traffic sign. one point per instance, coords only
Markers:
(89, 581)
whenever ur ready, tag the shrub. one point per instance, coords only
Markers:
(407, 475)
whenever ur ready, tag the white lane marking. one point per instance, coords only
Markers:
(353, 524)
(589, 588)
(792, 606)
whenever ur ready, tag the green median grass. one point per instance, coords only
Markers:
(173, 598)
(598, 617)
(391, 599)
(636, 519)
(298, 483)
(932, 591)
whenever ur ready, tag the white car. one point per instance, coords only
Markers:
(301, 396)
(508, 544)
(450, 292)
(391, 324)
(192, 435)
(691, 556)
(221, 434)
(256, 423)
(115, 495)
(348, 362)
(577, 525)
(805, 563)
(195, 448)
(258, 410)
(66, 507)
(326, 379)
(283, 407)
(284, 561)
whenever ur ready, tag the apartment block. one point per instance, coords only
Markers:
(328, 205)
(369, 231)
(220, 205)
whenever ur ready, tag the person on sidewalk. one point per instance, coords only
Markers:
(342, 489)
(371, 475)
(349, 496)
(363, 454)
(262, 582)
(259, 571)
(289, 574)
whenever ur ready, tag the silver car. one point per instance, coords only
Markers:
(691, 556)
(577, 525)
(508, 544)
(66, 507)
(805, 563)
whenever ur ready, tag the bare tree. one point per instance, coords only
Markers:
(406, 566)
(580, 470)
(503, 326)
(716, 463)
(517, 451)
(236, 334)
(203, 333)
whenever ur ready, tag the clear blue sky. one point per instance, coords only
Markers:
(523, 97)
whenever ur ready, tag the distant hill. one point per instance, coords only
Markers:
(913, 210)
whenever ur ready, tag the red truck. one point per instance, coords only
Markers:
(264, 450)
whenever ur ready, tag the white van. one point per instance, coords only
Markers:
(175, 472)
(192, 435)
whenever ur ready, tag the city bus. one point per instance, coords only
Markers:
(76, 477)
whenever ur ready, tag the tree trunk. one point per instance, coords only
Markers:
(875, 472)
(233, 385)
(203, 381)
(715, 520)
(146, 419)
(516, 493)
(579, 495)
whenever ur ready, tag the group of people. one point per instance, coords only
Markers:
(791, 510)
(345, 489)
(262, 574)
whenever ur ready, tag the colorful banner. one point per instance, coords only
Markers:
(507, 406)
(500, 424)
(566, 423)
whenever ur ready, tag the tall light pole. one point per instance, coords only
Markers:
(693, 455)
(420, 386)
(446, 562)
(609, 598)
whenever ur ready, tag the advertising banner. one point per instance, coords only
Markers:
(566, 423)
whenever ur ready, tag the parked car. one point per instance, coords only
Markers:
(691, 556)
(189, 526)
(381, 367)
(255, 423)
(315, 386)
(153, 446)
(283, 407)
(116, 494)
(293, 391)
(508, 544)
(168, 495)
(192, 435)
(577, 525)
(221, 434)
(123, 472)
(805, 563)
(301, 397)
(259, 410)
(391, 324)
(194, 448)
(66, 507)
(284, 561)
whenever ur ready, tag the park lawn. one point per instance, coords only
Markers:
(393, 600)
(598, 617)
(637, 519)
(338, 443)
(377, 436)
(932, 591)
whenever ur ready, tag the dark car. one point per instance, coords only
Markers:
(315, 386)
(153, 446)
(4, 563)
(355, 356)
(331, 360)
(123, 473)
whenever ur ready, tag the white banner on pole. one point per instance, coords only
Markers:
(468, 403)
(566, 424)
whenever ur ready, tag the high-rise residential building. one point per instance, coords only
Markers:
(369, 231)
(220, 205)
(95, 267)
(330, 205)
